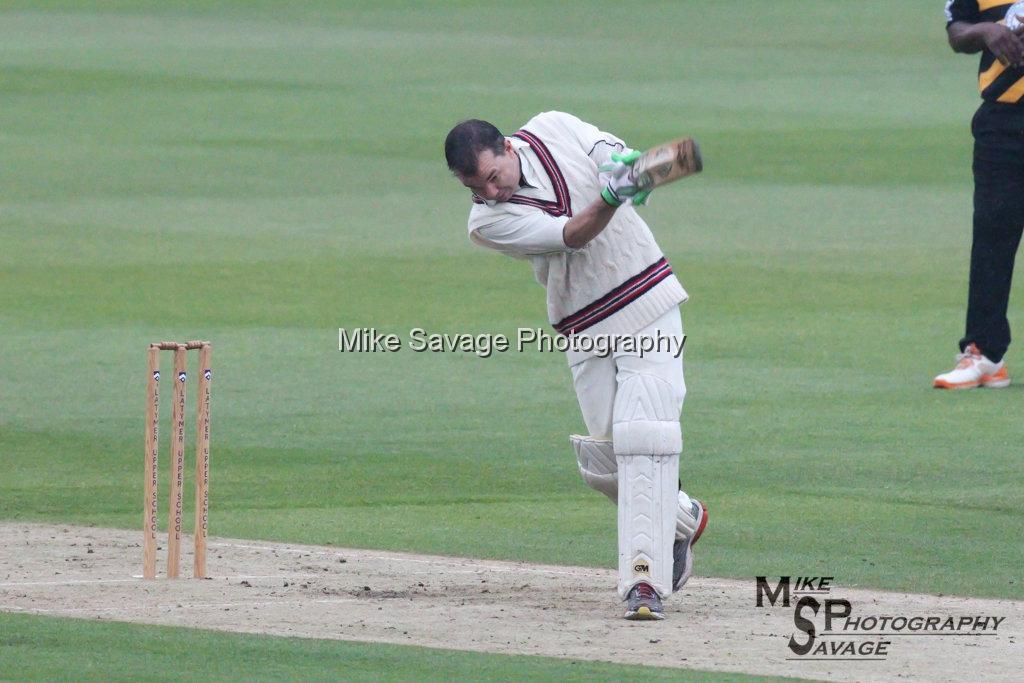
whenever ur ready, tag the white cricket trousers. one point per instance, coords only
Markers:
(596, 379)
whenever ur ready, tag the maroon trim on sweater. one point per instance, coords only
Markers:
(615, 300)
(562, 206)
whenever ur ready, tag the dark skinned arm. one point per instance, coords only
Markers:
(1006, 45)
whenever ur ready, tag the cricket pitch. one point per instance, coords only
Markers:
(466, 604)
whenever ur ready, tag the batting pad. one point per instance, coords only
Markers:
(596, 459)
(648, 507)
(647, 440)
(686, 523)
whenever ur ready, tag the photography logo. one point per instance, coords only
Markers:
(828, 628)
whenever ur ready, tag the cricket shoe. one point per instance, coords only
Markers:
(682, 549)
(643, 603)
(973, 370)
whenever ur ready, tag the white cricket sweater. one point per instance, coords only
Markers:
(619, 282)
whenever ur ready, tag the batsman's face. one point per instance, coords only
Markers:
(497, 175)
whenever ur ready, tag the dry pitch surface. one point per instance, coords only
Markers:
(466, 604)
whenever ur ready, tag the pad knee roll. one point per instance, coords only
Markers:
(646, 417)
(596, 460)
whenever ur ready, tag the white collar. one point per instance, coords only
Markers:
(530, 166)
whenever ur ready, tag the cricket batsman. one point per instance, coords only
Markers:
(561, 194)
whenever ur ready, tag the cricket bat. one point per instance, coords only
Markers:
(666, 163)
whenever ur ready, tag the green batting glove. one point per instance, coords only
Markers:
(617, 177)
(640, 198)
(630, 157)
(627, 157)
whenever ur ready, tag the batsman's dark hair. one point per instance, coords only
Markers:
(465, 142)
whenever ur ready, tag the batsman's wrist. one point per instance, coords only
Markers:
(609, 197)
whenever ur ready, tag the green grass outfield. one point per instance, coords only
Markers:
(40, 648)
(262, 173)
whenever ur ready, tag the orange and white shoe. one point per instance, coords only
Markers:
(973, 370)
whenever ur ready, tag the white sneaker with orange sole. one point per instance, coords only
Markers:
(973, 370)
